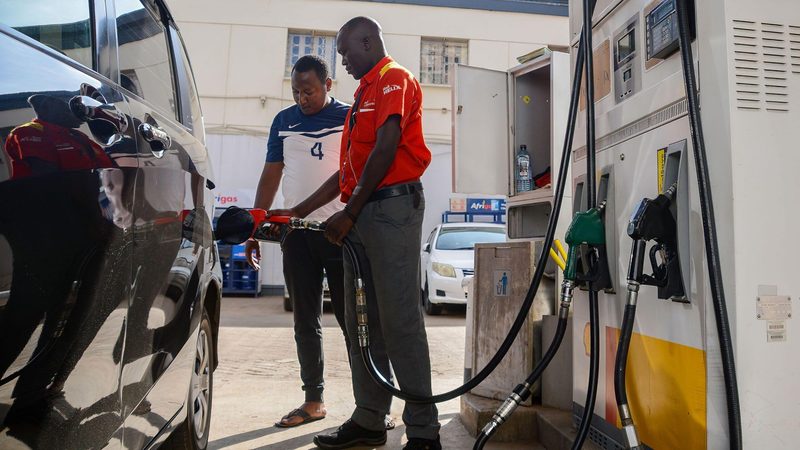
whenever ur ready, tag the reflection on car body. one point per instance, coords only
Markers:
(109, 279)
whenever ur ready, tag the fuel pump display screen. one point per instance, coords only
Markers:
(625, 46)
(627, 60)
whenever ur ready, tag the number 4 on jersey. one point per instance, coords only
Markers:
(316, 150)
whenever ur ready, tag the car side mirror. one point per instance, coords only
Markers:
(427, 247)
(234, 226)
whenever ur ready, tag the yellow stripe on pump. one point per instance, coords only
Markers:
(666, 391)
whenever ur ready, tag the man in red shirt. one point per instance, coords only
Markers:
(382, 157)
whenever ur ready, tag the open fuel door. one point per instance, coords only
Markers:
(480, 131)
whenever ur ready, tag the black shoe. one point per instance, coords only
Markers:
(351, 434)
(423, 444)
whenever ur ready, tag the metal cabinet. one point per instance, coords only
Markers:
(494, 112)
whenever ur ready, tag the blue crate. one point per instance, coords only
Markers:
(237, 276)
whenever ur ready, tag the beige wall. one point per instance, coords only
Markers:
(238, 50)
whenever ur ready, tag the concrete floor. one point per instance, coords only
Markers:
(258, 381)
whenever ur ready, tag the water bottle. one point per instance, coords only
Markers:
(523, 174)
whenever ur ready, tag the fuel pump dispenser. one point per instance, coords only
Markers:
(701, 91)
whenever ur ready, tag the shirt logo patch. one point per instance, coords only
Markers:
(390, 88)
(292, 126)
(369, 104)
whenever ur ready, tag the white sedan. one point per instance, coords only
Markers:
(447, 256)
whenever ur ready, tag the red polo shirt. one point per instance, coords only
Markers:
(386, 90)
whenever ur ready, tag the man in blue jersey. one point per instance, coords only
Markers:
(303, 149)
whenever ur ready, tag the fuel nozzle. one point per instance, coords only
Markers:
(587, 229)
(653, 221)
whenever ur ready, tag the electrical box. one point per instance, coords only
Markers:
(494, 113)
(747, 58)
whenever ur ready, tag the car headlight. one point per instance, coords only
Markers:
(445, 270)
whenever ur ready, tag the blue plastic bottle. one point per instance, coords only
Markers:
(523, 174)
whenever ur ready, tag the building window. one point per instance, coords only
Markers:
(437, 58)
(303, 43)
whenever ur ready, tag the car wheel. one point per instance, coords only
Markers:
(193, 432)
(287, 304)
(432, 309)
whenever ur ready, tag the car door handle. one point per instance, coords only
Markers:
(89, 109)
(159, 139)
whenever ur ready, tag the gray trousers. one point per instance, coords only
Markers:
(387, 237)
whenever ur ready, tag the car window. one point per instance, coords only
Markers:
(191, 115)
(64, 26)
(144, 58)
(466, 238)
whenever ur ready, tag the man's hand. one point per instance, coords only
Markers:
(337, 227)
(250, 247)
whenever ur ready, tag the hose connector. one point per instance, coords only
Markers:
(519, 395)
(303, 224)
(633, 292)
(567, 287)
(361, 314)
(627, 426)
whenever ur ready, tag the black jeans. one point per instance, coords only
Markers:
(305, 254)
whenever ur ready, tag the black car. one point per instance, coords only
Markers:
(109, 276)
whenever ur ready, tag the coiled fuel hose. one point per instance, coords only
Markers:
(363, 329)
(360, 290)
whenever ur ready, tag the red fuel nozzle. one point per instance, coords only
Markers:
(260, 216)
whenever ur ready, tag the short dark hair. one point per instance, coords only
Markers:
(312, 62)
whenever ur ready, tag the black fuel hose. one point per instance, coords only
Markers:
(710, 230)
(591, 193)
(621, 360)
(532, 289)
(635, 268)
(594, 371)
(523, 391)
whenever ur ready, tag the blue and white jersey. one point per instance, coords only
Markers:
(309, 148)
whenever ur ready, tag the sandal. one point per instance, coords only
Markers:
(299, 412)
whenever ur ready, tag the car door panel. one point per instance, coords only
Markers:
(65, 244)
(171, 252)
